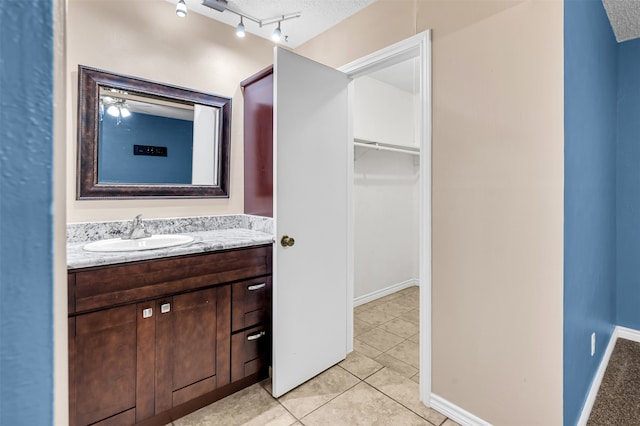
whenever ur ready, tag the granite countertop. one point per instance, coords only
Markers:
(204, 241)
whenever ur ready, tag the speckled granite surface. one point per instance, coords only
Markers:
(94, 231)
(618, 400)
(211, 233)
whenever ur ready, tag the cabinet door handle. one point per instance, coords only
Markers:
(256, 336)
(165, 307)
(256, 287)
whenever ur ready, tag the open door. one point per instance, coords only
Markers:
(311, 159)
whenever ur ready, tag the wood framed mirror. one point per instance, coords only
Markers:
(139, 138)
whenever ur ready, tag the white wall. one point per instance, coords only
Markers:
(383, 113)
(385, 198)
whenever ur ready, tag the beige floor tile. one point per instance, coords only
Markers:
(408, 352)
(400, 327)
(416, 377)
(396, 365)
(360, 327)
(392, 308)
(360, 365)
(250, 406)
(363, 405)
(372, 304)
(380, 339)
(415, 338)
(412, 316)
(410, 301)
(450, 422)
(318, 391)
(413, 290)
(361, 308)
(373, 316)
(404, 391)
(365, 349)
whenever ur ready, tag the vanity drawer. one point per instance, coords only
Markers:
(100, 287)
(250, 352)
(250, 302)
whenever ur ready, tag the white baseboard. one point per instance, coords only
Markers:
(455, 413)
(384, 292)
(618, 332)
(627, 333)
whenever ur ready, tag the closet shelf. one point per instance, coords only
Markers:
(385, 147)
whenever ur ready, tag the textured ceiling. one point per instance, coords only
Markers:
(624, 16)
(317, 16)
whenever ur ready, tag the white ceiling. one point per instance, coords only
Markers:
(624, 16)
(317, 16)
(404, 75)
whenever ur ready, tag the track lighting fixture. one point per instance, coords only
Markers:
(277, 34)
(240, 28)
(224, 6)
(181, 9)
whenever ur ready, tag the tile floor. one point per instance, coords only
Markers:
(376, 385)
(618, 399)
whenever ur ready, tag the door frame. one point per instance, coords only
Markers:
(416, 46)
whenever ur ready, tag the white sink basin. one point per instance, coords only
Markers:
(149, 243)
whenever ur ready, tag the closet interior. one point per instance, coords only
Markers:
(386, 180)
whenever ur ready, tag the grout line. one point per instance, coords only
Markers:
(350, 387)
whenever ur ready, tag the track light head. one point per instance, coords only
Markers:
(240, 29)
(277, 34)
(181, 9)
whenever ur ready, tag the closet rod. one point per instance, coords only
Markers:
(378, 147)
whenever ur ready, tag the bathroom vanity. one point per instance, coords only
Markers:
(152, 340)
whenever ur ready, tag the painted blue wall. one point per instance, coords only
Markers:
(628, 185)
(26, 213)
(590, 86)
(119, 165)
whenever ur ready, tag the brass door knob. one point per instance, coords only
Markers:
(287, 241)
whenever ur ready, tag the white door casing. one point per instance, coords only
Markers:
(311, 161)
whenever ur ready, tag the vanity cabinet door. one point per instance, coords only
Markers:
(104, 348)
(193, 333)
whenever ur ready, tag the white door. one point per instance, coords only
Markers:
(311, 157)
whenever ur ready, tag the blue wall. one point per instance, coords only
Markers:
(628, 185)
(590, 195)
(26, 213)
(119, 165)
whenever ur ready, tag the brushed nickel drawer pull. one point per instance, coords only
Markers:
(256, 287)
(256, 336)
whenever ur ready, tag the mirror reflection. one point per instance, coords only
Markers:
(152, 141)
(143, 139)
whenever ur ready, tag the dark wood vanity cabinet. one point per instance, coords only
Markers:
(154, 340)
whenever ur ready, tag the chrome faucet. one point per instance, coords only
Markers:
(137, 230)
